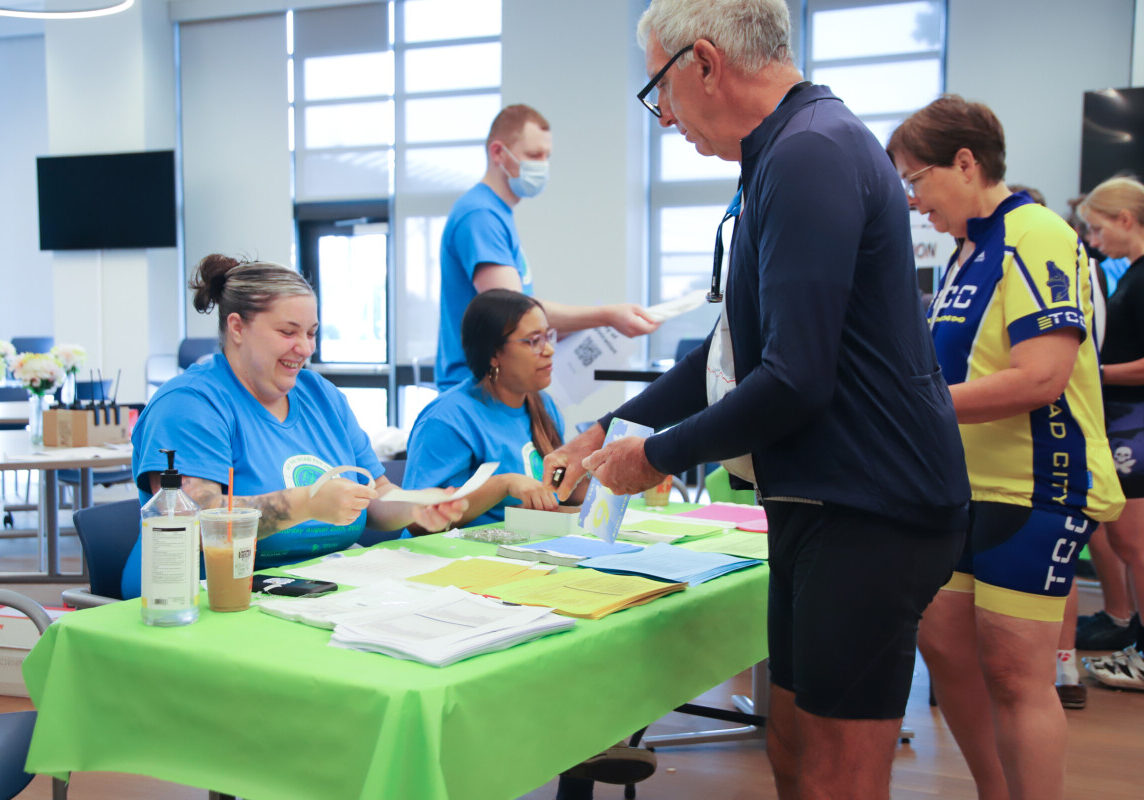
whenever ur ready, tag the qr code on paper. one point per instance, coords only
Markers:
(587, 352)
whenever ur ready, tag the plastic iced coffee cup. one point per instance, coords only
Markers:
(229, 539)
(658, 495)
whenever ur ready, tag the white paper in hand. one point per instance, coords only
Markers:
(334, 472)
(661, 312)
(430, 497)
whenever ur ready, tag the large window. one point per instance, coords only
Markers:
(388, 100)
(884, 58)
(448, 56)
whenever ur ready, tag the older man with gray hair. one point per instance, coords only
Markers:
(819, 385)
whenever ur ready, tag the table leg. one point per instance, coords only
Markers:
(84, 487)
(751, 711)
(50, 519)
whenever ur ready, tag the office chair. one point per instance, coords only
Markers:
(33, 344)
(395, 471)
(107, 534)
(16, 726)
(191, 351)
(97, 391)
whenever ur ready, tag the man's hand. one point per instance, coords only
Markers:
(631, 319)
(570, 458)
(622, 466)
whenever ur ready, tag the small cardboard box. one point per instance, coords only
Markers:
(86, 428)
(18, 635)
(541, 523)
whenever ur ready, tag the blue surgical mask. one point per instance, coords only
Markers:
(532, 179)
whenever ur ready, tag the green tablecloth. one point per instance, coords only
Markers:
(251, 705)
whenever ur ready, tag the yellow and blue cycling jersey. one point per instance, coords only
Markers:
(1027, 276)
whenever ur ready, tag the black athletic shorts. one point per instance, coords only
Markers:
(847, 590)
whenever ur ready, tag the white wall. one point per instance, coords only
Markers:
(236, 160)
(110, 88)
(25, 272)
(585, 235)
(1031, 62)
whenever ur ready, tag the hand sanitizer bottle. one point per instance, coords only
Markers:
(170, 552)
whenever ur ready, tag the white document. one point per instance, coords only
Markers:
(329, 610)
(372, 566)
(661, 312)
(429, 497)
(445, 627)
(580, 354)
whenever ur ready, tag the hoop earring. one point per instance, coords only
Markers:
(494, 373)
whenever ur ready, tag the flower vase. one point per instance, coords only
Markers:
(36, 405)
(67, 392)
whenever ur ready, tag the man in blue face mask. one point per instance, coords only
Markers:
(481, 250)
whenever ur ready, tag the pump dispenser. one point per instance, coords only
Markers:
(170, 552)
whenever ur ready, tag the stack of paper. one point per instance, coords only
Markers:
(446, 626)
(750, 518)
(328, 610)
(370, 567)
(566, 551)
(477, 574)
(667, 562)
(734, 543)
(584, 592)
(667, 529)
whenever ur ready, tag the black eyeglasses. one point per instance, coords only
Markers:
(645, 91)
(716, 293)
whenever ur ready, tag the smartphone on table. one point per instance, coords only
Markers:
(286, 586)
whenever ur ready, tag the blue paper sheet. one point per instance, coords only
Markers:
(667, 562)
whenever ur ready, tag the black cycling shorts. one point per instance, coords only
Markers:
(847, 590)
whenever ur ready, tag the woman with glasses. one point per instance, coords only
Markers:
(1011, 326)
(499, 413)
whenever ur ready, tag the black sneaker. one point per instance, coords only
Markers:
(1099, 632)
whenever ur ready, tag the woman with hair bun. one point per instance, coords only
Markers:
(254, 408)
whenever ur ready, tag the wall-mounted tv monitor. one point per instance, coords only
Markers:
(1112, 140)
(107, 202)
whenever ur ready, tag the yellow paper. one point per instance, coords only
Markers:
(476, 574)
(584, 593)
(734, 543)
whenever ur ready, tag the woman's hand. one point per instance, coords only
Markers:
(530, 492)
(441, 516)
(339, 501)
(570, 458)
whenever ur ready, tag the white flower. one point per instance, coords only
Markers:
(7, 355)
(39, 372)
(70, 356)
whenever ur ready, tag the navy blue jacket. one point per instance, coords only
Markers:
(839, 394)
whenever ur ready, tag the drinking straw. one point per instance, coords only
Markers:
(229, 500)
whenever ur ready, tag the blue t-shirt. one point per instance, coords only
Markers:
(1114, 269)
(480, 230)
(213, 423)
(465, 427)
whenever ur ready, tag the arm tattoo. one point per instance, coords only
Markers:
(274, 506)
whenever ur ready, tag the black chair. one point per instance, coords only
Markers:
(107, 534)
(16, 726)
(395, 471)
(33, 344)
(685, 346)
